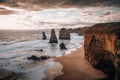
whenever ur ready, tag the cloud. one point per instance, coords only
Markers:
(76, 24)
(4, 11)
(60, 3)
(60, 17)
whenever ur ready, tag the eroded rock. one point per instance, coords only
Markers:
(64, 34)
(62, 46)
(35, 58)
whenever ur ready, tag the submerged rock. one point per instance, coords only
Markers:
(33, 57)
(44, 57)
(64, 34)
(62, 46)
(9, 75)
(102, 48)
(53, 38)
(44, 36)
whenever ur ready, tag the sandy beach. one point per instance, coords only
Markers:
(75, 67)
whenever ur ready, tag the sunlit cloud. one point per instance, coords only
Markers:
(60, 17)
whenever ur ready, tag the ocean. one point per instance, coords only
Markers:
(17, 45)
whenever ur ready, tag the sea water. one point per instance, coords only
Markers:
(17, 45)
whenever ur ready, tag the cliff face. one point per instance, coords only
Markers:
(99, 42)
(102, 48)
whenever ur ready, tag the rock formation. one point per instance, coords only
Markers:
(53, 38)
(44, 57)
(64, 34)
(44, 36)
(62, 46)
(79, 30)
(35, 58)
(38, 50)
(9, 75)
(102, 48)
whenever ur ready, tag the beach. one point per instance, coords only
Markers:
(75, 67)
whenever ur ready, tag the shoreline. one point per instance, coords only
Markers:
(75, 67)
(53, 71)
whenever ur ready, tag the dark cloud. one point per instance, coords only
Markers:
(63, 3)
(4, 11)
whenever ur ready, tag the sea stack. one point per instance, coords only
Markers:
(53, 38)
(102, 48)
(64, 34)
(44, 36)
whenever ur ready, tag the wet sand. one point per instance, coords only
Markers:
(53, 71)
(75, 67)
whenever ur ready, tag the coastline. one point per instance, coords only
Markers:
(75, 67)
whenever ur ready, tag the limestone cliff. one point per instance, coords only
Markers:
(102, 48)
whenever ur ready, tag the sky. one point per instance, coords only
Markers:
(71, 14)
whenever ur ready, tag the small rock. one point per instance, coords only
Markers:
(44, 57)
(44, 36)
(62, 46)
